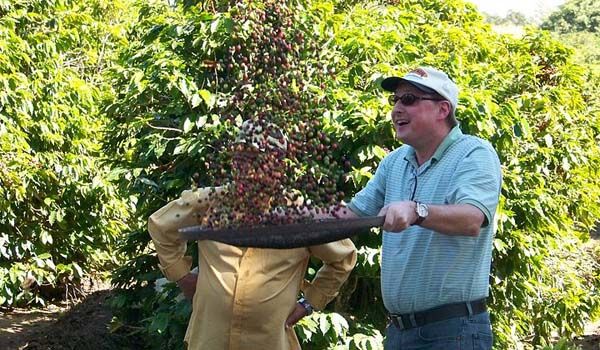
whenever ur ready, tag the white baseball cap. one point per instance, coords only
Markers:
(428, 80)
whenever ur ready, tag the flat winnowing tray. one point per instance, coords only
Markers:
(284, 236)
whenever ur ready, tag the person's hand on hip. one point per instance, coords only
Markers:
(188, 285)
(297, 314)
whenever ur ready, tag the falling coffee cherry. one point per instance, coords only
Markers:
(273, 74)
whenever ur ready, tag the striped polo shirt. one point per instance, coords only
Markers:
(422, 268)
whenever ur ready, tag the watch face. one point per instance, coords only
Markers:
(422, 210)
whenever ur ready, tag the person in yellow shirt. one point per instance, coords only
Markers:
(245, 298)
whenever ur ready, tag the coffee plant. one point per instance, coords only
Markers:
(59, 212)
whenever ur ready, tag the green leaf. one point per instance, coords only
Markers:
(181, 147)
(201, 121)
(214, 26)
(324, 324)
(50, 264)
(44, 256)
(147, 181)
(52, 217)
(339, 323)
(159, 323)
(379, 152)
(183, 87)
(78, 270)
(187, 125)
(196, 100)
(207, 97)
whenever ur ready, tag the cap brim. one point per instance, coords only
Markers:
(391, 84)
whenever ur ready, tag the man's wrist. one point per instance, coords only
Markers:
(306, 305)
(421, 211)
(186, 276)
(182, 277)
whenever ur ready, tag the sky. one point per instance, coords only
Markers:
(535, 9)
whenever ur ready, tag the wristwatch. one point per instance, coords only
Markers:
(422, 211)
(306, 305)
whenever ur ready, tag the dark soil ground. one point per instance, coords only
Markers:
(81, 325)
(591, 340)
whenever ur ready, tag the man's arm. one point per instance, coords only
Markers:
(187, 285)
(163, 226)
(338, 260)
(472, 198)
(454, 219)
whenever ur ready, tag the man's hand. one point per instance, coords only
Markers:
(398, 215)
(188, 285)
(297, 314)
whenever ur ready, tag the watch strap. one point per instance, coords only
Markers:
(306, 305)
(420, 218)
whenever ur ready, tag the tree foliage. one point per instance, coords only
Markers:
(59, 212)
(576, 25)
(575, 16)
(511, 17)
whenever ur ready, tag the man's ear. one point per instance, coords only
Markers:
(445, 109)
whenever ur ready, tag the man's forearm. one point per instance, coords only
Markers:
(338, 260)
(456, 219)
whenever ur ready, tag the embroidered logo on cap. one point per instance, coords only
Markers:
(420, 72)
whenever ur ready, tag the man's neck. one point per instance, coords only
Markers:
(426, 149)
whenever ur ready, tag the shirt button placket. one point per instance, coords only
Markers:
(239, 296)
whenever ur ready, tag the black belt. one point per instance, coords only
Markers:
(440, 313)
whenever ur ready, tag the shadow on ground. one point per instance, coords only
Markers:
(84, 326)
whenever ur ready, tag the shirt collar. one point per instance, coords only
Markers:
(452, 136)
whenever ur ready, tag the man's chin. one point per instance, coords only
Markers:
(402, 135)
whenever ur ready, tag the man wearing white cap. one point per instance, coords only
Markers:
(439, 192)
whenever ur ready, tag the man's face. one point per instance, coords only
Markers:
(414, 122)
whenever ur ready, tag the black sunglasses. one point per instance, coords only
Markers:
(409, 99)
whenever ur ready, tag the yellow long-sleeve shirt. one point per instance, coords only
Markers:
(244, 295)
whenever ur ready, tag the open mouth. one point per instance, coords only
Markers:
(401, 122)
